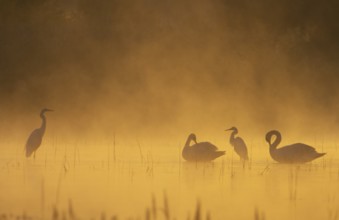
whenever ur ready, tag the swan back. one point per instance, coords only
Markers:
(294, 153)
(203, 151)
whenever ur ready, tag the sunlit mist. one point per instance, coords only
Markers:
(169, 109)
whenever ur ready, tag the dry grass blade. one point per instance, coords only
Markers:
(166, 207)
(197, 215)
(154, 207)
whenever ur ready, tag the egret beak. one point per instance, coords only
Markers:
(49, 110)
(228, 129)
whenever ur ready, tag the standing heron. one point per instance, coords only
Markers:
(203, 151)
(238, 143)
(294, 153)
(35, 139)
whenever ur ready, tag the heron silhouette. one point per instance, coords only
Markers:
(203, 151)
(238, 144)
(294, 153)
(35, 139)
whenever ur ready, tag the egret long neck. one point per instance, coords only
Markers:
(43, 124)
(232, 138)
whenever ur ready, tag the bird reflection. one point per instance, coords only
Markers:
(34, 140)
(203, 151)
(238, 143)
(294, 153)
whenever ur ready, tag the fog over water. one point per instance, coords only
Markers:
(150, 68)
(130, 80)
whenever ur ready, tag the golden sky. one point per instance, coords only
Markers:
(170, 67)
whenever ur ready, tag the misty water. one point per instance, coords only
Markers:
(130, 80)
(128, 181)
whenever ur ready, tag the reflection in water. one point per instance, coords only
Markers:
(165, 186)
(156, 69)
(294, 153)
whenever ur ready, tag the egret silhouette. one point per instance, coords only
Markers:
(238, 143)
(203, 151)
(294, 153)
(34, 140)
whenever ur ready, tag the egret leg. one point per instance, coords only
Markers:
(34, 155)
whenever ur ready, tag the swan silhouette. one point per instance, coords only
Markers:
(238, 143)
(35, 139)
(294, 153)
(203, 151)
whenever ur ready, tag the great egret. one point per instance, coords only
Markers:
(294, 153)
(238, 143)
(203, 151)
(34, 140)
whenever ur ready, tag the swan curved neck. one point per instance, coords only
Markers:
(276, 142)
(188, 141)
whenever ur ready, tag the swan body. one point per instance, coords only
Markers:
(35, 139)
(239, 144)
(202, 151)
(294, 153)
